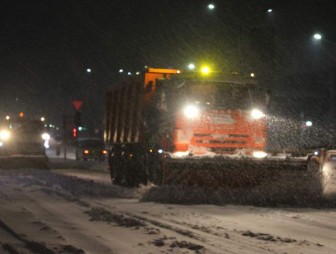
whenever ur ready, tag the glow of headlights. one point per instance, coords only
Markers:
(191, 111)
(259, 154)
(257, 114)
(45, 136)
(181, 154)
(4, 135)
(46, 144)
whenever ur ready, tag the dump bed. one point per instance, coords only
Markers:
(126, 102)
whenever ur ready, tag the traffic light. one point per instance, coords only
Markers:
(77, 119)
(74, 132)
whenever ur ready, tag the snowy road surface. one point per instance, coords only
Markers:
(78, 211)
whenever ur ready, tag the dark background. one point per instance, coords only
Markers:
(46, 47)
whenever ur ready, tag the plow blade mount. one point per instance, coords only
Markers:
(221, 172)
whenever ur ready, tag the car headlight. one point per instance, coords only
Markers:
(191, 111)
(257, 114)
(4, 135)
(45, 136)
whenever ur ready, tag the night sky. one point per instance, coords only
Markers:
(46, 46)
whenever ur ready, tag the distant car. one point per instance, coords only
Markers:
(90, 149)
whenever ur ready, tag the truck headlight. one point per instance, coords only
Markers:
(257, 114)
(4, 135)
(259, 154)
(191, 111)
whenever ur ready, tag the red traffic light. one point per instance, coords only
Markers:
(74, 132)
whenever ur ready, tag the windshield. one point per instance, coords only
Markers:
(220, 95)
(27, 126)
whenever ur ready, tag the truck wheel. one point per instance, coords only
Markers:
(115, 179)
(115, 172)
(130, 174)
(135, 172)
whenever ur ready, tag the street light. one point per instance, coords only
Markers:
(191, 66)
(320, 37)
(317, 36)
(211, 6)
(88, 70)
(270, 10)
(309, 123)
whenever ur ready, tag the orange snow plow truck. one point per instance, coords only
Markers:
(169, 127)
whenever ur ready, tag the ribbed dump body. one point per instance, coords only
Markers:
(123, 112)
(127, 103)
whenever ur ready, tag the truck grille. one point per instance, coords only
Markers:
(222, 143)
(231, 142)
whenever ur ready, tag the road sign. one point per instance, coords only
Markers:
(77, 104)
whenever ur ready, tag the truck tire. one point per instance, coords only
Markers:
(115, 171)
(134, 171)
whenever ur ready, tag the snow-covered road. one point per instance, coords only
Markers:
(78, 211)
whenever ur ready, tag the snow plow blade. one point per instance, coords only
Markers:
(227, 172)
(24, 162)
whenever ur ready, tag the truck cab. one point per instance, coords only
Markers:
(22, 136)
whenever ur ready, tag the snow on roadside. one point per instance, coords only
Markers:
(175, 228)
(296, 189)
